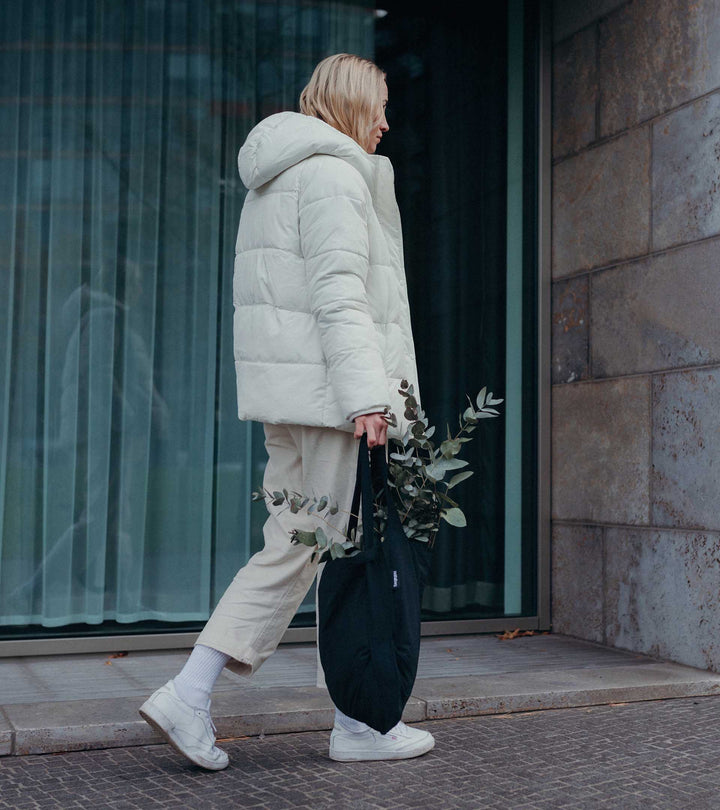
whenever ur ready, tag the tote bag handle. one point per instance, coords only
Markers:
(364, 488)
(372, 475)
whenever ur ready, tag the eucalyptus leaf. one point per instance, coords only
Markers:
(320, 537)
(435, 471)
(450, 447)
(306, 538)
(456, 479)
(453, 463)
(481, 397)
(454, 517)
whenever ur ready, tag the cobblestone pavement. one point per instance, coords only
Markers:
(660, 754)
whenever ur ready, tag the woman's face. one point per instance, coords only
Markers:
(381, 126)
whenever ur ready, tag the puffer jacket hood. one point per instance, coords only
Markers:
(284, 139)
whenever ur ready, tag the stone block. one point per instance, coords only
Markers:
(662, 596)
(574, 92)
(570, 330)
(686, 446)
(601, 204)
(561, 689)
(577, 581)
(78, 725)
(658, 313)
(686, 174)
(656, 55)
(601, 451)
(570, 16)
(6, 736)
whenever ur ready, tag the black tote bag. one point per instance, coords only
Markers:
(369, 608)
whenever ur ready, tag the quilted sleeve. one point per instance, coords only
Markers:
(333, 202)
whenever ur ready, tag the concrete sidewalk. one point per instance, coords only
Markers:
(79, 702)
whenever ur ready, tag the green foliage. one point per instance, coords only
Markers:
(416, 473)
(418, 467)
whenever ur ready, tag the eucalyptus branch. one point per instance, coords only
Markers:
(418, 467)
(416, 475)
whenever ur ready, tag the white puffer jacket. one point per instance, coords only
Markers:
(322, 326)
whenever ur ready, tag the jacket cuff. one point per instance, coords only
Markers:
(365, 411)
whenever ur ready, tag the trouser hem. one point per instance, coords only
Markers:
(245, 662)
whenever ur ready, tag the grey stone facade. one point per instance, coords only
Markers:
(636, 340)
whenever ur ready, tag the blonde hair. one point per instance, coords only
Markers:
(345, 91)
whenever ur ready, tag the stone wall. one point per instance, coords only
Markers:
(636, 325)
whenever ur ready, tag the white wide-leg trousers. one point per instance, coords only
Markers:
(259, 603)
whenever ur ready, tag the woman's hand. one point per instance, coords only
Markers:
(375, 425)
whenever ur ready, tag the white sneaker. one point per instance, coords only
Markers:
(401, 742)
(189, 730)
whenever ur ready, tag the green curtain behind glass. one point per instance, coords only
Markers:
(124, 473)
(447, 79)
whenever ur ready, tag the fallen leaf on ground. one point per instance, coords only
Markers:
(517, 633)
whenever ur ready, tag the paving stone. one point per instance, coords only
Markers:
(577, 581)
(570, 16)
(574, 92)
(686, 445)
(655, 55)
(686, 173)
(659, 584)
(570, 328)
(601, 204)
(658, 313)
(601, 451)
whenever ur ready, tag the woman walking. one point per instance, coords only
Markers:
(322, 340)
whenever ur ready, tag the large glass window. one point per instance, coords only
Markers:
(125, 476)
(463, 143)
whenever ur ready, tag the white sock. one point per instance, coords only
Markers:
(197, 678)
(348, 723)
